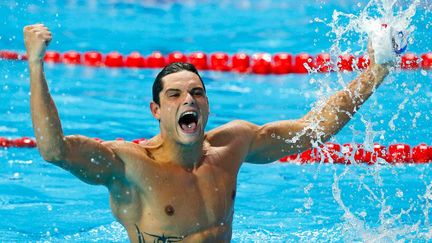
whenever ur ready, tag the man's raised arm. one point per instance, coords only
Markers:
(277, 139)
(89, 160)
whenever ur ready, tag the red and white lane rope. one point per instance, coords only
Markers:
(356, 153)
(259, 63)
(328, 153)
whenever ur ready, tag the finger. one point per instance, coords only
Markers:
(42, 35)
(29, 28)
(37, 32)
(39, 28)
(41, 32)
(47, 37)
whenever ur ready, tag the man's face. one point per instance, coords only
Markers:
(183, 109)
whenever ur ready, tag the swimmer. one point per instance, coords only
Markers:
(180, 186)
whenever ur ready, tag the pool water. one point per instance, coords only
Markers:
(276, 202)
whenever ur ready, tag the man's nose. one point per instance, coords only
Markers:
(189, 100)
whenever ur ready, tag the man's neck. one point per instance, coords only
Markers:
(187, 156)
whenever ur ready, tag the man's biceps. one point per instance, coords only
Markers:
(84, 148)
(272, 132)
(79, 143)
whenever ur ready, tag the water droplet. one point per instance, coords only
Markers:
(15, 176)
(308, 188)
(308, 203)
(399, 193)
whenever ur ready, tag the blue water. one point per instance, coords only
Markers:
(276, 202)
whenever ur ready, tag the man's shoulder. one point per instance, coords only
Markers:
(233, 127)
(119, 145)
(231, 130)
(126, 150)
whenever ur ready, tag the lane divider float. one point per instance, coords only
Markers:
(23, 142)
(356, 153)
(328, 153)
(26, 142)
(258, 63)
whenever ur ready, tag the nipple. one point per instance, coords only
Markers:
(169, 210)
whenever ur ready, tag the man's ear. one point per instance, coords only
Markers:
(155, 110)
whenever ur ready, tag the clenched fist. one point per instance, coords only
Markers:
(36, 39)
(378, 69)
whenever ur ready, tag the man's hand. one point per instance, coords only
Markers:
(36, 39)
(73, 153)
(377, 69)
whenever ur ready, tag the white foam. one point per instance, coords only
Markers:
(389, 31)
(381, 38)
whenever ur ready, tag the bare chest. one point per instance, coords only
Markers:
(169, 200)
(205, 196)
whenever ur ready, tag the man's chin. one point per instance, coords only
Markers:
(190, 138)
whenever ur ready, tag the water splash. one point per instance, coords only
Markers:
(369, 24)
(383, 30)
(366, 25)
(351, 33)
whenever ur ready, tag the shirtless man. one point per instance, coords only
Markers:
(181, 184)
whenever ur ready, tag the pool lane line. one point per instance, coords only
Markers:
(258, 63)
(348, 153)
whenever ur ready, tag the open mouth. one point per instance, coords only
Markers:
(188, 121)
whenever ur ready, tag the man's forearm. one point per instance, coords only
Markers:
(277, 139)
(366, 83)
(46, 122)
(339, 108)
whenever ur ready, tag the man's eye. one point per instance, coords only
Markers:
(198, 93)
(174, 95)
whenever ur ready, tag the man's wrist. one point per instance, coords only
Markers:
(35, 66)
(35, 61)
(379, 71)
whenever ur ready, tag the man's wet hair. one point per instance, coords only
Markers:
(169, 69)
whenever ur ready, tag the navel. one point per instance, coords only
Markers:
(169, 210)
